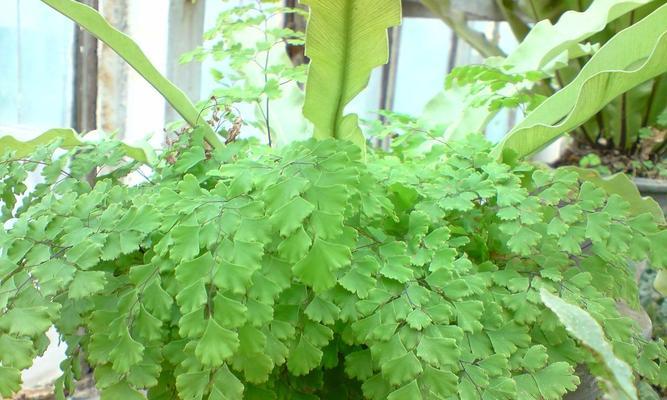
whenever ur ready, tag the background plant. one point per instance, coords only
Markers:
(252, 68)
(559, 51)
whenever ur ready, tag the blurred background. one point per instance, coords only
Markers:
(54, 75)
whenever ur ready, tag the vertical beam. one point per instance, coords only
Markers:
(186, 27)
(390, 69)
(453, 51)
(85, 77)
(112, 73)
(85, 82)
(296, 23)
(389, 73)
(19, 78)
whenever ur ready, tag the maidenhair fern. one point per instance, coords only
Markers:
(241, 271)
(303, 272)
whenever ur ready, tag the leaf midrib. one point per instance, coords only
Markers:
(340, 106)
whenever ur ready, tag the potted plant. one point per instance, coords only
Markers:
(319, 269)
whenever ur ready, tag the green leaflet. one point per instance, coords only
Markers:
(585, 328)
(345, 40)
(125, 47)
(546, 46)
(623, 186)
(69, 139)
(633, 56)
(10, 381)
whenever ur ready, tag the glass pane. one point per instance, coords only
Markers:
(36, 68)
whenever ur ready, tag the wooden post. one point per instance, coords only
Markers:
(85, 77)
(388, 85)
(113, 73)
(186, 27)
(85, 82)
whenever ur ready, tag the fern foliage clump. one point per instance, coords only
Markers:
(249, 272)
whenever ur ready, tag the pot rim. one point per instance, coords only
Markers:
(649, 185)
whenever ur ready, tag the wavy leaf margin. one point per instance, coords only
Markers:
(633, 56)
(345, 41)
(586, 329)
(69, 139)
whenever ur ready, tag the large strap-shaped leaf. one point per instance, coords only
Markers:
(547, 42)
(345, 40)
(633, 56)
(547, 46)
(122, 44)
(580, 324)
(68, 140)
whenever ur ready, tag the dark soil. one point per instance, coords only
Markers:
(643, 162)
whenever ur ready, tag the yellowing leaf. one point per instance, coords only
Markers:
(585, 328)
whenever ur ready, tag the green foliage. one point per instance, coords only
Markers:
(244, 271)
(346, 40)
(252, 67)
(628, 59)
(622, 126)
(585, 328)
(508, 90)
(548, 43)
(304, 272)
(545, 49)
(68, 139)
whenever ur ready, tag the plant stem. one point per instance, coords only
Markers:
(623, 142)
(624, 128)
(534, 10)
(266, 76)
(661, 149)
(651, 99)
